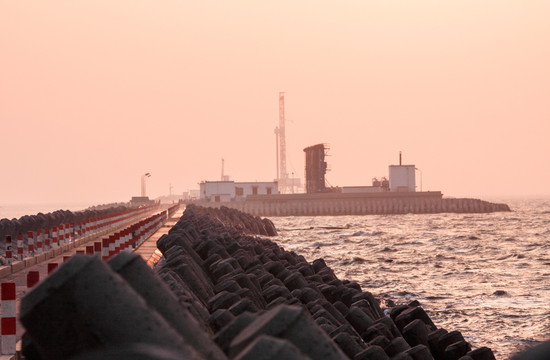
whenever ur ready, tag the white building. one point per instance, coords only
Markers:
(402, 178)
(225, 191)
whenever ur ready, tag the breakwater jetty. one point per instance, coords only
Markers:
(223, 290)
(334, 204)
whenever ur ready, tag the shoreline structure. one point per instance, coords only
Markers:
(334, 204)
(220, 291)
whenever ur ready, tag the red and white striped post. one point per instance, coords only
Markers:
(8, 318)
(54, 237)
(9, 253)
(52, 267)
(39, 243)
(46, 239)
(112, 241)
(105, 249)
(20, 247)
(33, 277)
(61, 235)
(68, 233)
(30, 243)
(97, 248)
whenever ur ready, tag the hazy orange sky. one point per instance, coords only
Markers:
(95, 93)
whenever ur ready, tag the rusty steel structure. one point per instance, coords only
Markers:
(316, 168)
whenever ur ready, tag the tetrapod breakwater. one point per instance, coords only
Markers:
(223, 290)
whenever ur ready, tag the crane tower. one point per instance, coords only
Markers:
(286, 184)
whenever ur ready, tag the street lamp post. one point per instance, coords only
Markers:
(143, 177)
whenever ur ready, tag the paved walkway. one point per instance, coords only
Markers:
(147, 250)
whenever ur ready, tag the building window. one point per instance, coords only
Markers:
(254, 190)
(217, 198)
(268, 191)
(239, 191)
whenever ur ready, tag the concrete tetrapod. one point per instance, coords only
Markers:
(267, 347)
(294, 324)
(159, 297)
(129, 352)
(84, 305)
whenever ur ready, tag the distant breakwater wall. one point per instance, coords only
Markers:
(220, 292)
(357, 204)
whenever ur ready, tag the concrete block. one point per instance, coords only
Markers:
(5, 270)
(377, 330)
(433, 341)
(222, 300)
(450, 338)
(269, 348)
(396, 346)
(416, 333)
(17, 266)
(159, 297)
(243, 305)
(349, 345)
(457, 350)
(30, 261)
(224, 337)
(220, 318)
(388, 322)
(40, 258)
(84, 305)
(130, 352)
(276, 291)
(294, 324)
(482, 353)
(420, 352)
(373, 352)
(411, 314)
(359, 319)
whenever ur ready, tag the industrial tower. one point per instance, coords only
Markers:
(286, 184)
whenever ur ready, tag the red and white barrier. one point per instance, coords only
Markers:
(9, 251)
(46, 239)
(30, 243)
(89, 250)
(97, 248)
(20, 247)
(33, 277)
(39, 243)
(61, 235)
(52, 267)
(54, 237)
(8, 322)
(71, 237)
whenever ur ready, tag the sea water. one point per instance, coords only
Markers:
(486, 275)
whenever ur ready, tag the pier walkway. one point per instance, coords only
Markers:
(147, 250)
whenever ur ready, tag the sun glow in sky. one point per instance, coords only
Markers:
(93, 94)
